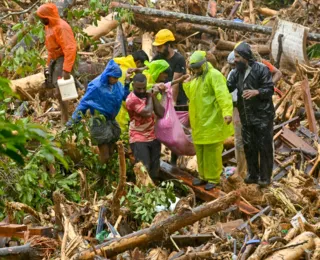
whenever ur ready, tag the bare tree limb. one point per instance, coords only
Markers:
(20, 12)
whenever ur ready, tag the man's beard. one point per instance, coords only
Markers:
(241, 66)
(165, 53)
(140, 95)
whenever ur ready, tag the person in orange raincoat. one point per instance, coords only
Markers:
(62, 48)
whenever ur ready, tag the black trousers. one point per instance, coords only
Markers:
(149, 154)
(258, 148)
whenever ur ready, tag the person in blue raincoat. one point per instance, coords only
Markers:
(105, 95)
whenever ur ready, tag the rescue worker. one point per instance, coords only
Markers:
(253, 81)
(157, 71)
(239, 149)
(136, 60)
(142, 107)
(105, 95)
(163, 43)
(61, 46)
(210, 112)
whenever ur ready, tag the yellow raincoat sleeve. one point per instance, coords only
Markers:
(224, 98)
(186, 88)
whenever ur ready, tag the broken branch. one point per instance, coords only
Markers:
(162, 229)
(122, 181)
(20, 12)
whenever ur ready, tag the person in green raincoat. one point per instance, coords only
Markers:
(136, 60)
(210, 112)
(157, 71)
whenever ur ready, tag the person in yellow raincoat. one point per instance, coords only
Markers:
(210, 112)
(136, 60)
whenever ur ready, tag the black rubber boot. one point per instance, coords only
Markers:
(250, 180)
(264, 184)
(210, 186)
(198, 182)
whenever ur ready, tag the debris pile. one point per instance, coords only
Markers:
(236, 221)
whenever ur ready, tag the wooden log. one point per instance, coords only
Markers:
(262, 49)
(64, 240)
(154, 24)
(267, 11)
(17, 206)
(316, 254)
(122, 182)
(234, 9)
(225, 45)
(312, 123)
(104, 26)
(31, 84)
(203, 20)
(305, 241)
(147, 45)
(196, 255)
(252, 12)
(24, 252)
(161, 230)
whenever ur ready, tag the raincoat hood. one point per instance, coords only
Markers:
(126, 62)
(245, 52)
(49, 11)
(112, 70)
(197, 59)
(156, 67)
(99, 96)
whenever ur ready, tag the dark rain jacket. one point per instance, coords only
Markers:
(259, 109)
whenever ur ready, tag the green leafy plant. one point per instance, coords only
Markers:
(276, 4)
(15, 134)
(143, 201)
(26, 59)
(314, 51)
(27, 151)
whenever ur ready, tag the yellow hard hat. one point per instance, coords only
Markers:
(163, 36)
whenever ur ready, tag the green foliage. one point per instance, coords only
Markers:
(33, 184)
(142, 201)
(314, 51)
(14, 134)
(101, 175)
(25, 60)
(26, 151)
(276, 4)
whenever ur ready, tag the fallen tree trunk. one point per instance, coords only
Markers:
(23, 252)
(305, 241)
(203, 20)
(104, 26)
(31, 84)
(267, 11)
(262, 49)
(161, 230)
(154, 24)
(34, 84)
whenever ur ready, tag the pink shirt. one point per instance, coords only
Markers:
(141, 129)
